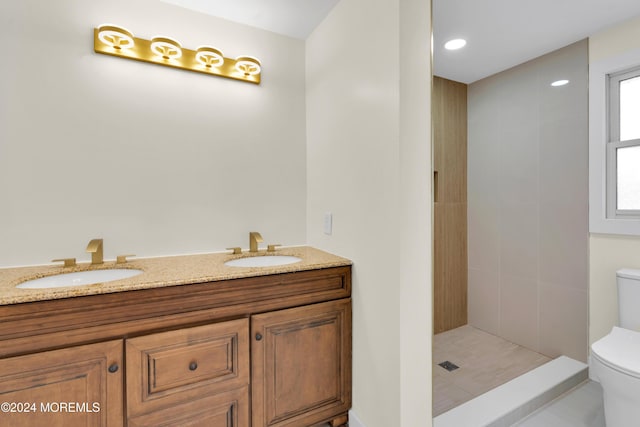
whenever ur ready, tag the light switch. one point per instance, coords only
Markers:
(328, 223)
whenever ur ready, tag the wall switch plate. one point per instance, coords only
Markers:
(328, 223)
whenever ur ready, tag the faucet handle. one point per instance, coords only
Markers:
(236, 250)
(68, 262)
(272, 248)
(122, 259)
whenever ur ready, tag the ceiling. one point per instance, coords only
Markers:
(500, 33)
(293, 18)
(505, 33)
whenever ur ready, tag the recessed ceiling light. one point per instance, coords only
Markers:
(560, 83)
(455, 44)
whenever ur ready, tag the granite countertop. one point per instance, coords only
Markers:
(158, 272)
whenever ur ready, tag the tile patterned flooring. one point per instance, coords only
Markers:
(485, 362)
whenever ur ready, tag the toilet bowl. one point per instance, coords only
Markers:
(615, 359)
(615, 363)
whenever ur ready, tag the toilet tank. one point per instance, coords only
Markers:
(629, 298)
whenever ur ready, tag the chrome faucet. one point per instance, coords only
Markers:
(254, 239)
(95, 248)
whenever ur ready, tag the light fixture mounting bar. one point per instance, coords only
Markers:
(141, 51)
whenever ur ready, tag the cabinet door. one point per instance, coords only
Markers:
(301, 365)
(171, 368)
(74, 387)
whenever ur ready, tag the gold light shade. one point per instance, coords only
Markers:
(209, 56)
(116, 37)
(248, 65)
(166, 48)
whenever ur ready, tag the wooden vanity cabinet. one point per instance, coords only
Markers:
(301, 365)
(73, 387)
(272, 350)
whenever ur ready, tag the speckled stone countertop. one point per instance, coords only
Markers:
(158, 272)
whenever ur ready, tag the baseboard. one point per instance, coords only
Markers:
(354, 421)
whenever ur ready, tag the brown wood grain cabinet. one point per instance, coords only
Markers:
(263, 351)
(75, 387)
(301, 364)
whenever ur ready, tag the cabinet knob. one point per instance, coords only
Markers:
(258, 336)
(113, 368)
(193, 366)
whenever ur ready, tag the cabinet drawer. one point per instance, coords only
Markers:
(228, 409)
(171, 367)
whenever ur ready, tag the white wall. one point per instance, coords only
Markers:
(368, 162)
(527, 204)
(415, 214)
(154, 160)
(609, 253)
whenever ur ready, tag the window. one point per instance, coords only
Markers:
(623, 145)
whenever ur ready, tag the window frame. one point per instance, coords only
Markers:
(599, 69)
(614, 143)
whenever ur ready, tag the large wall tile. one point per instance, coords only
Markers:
(564, 242)
(484, 300)
(519, 310)
(570, 63)
(483, 159)
(483, 234)
(519, 239)
(518, 165)
(564, 162)
(563, 315)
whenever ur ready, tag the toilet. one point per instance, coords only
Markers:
(615, 359)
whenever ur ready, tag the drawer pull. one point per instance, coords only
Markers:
(193, 366)
(258, 336)
(113, 368)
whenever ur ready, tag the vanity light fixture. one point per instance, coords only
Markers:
(166, 48)
(560, 83)
(247, 65)
(112, 40)
(114, 36)
(455, 44)
(209, 56)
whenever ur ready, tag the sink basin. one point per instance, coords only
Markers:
(263, 261)
(79, 278)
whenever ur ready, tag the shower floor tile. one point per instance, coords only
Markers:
(485, 362)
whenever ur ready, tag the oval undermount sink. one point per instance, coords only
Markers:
(263, 261)
(79, 278)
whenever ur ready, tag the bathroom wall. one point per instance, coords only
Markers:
(155, 160)
(609, 253)
(527, 195)
(368, 163)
